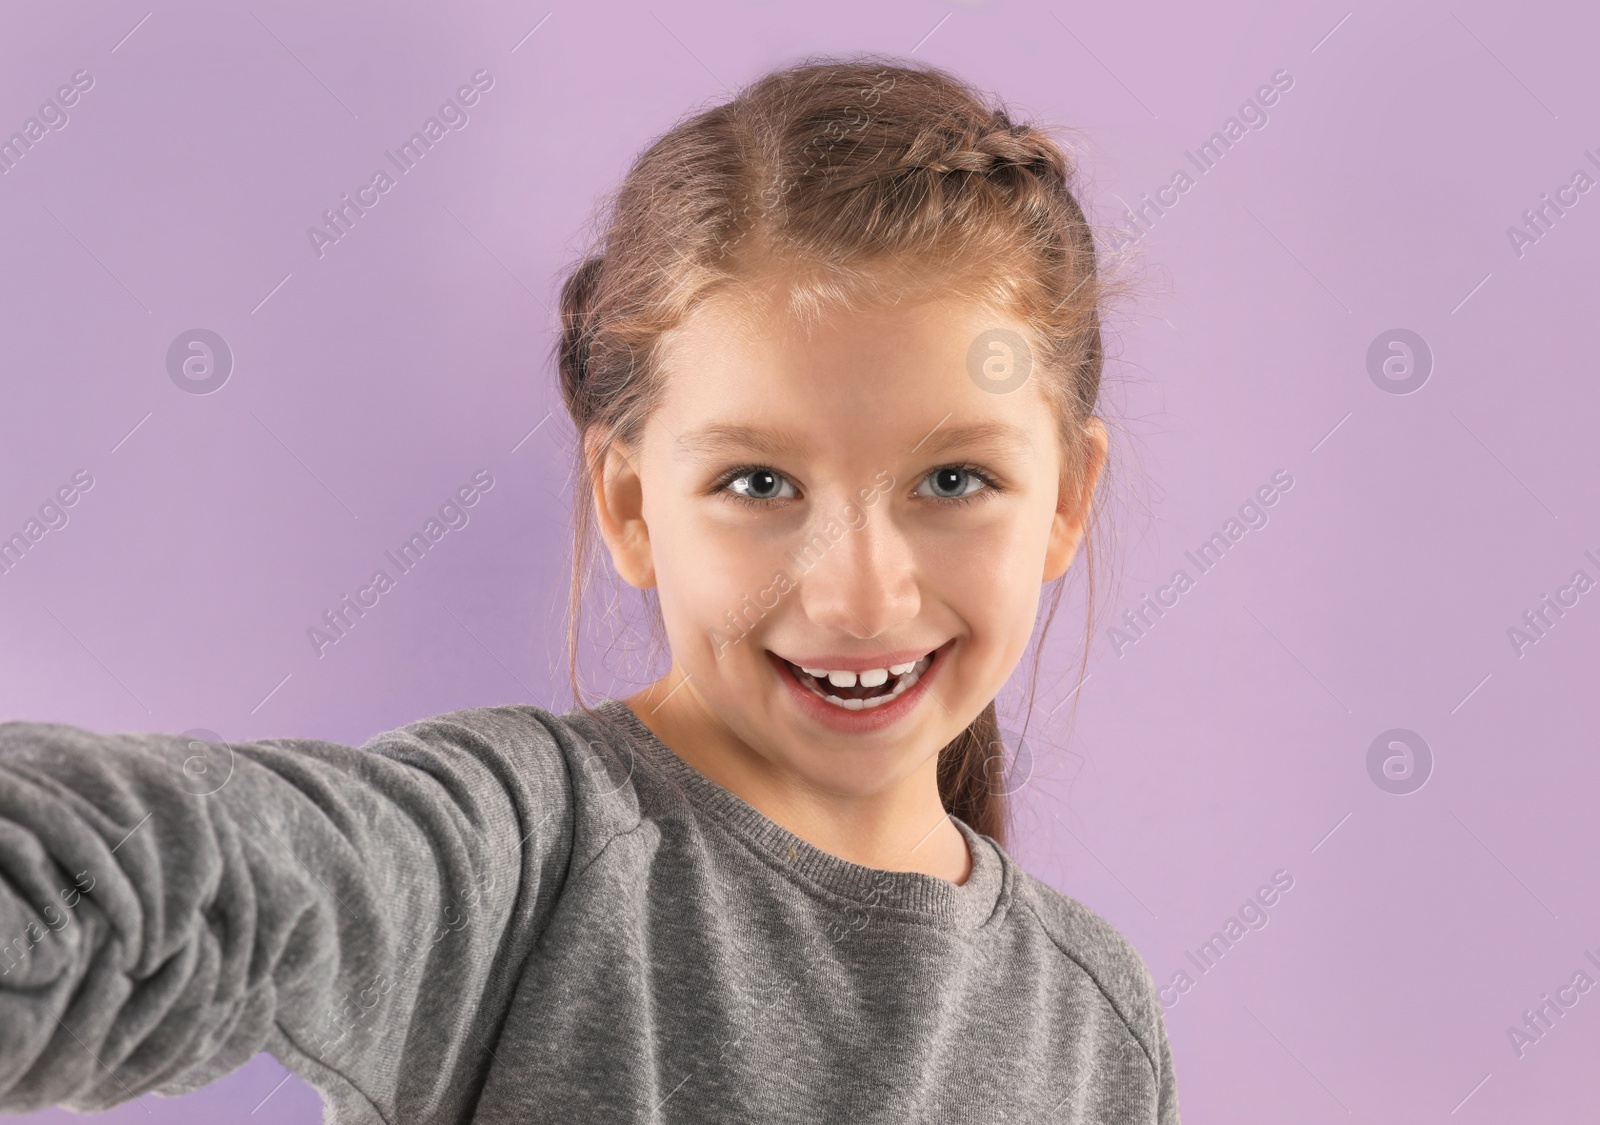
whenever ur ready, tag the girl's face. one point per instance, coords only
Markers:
(862, 497)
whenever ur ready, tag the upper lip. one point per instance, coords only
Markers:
(861, 663)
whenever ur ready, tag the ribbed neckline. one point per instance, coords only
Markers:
(961, 907)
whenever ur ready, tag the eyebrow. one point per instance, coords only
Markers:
(709, 441)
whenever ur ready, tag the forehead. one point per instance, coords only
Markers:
(741, 372)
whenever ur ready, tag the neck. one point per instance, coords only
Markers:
(901, 828)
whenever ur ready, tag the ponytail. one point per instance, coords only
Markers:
(972, 778)
(577, 333)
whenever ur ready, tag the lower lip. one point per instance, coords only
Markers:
(857, 722)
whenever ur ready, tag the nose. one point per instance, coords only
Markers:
(863, 583)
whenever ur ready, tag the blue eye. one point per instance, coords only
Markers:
(950, 477)
(755, 485)
(759, 486)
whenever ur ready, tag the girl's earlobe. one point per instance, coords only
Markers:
(619, 508)
(1065, 533)
(1072, 512)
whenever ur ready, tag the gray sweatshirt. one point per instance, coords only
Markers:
(507, 915)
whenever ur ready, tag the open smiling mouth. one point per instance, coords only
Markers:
(852, 691)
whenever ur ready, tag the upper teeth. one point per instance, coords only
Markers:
(872, 677)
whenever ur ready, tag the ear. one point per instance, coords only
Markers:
(619, 508)
(1072, 509)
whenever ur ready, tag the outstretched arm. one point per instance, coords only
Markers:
(169, 908)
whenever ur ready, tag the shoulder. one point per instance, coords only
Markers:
(586, 761)
(1101, 952)
(517, 732)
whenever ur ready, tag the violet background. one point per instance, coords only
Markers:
(1228, 743)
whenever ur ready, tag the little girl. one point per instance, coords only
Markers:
(832, 369)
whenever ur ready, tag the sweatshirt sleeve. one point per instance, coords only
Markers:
(1166, 1081)
(170, 907)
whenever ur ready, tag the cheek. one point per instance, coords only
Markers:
(990, 572)
(706, 570)
(998, 548)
